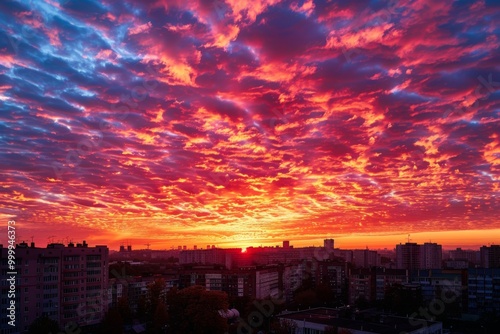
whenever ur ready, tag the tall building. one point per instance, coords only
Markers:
(436, 283)
(471, 256)
(483, 290)
(69, 284)
(490, 256)
(293, 277)
(408, 256)
(214, 255)
(255, 282)
(345, 254)
(361, 285)
(373, 283)
(115, 292)
(332, 273)
(365, 258)
(328, 243)
(386, 278)
(267, 282)
(136, 289)
(431, 255)
(412, 256)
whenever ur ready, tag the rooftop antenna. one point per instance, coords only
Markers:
(409, 238)
(32, 238)
(147, 245)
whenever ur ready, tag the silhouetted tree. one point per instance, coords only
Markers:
(195, 310)
(160, 317)
(307, 298)
(156, 294)
(43, 325)
(331, 330)
(325, 295)
(242, 304)
(123, 307)
(307, 284)
(402, 300)
(141, 308)
(284, 326)
(267, 308)
(112, 322)
(361, 302)
(344, 331)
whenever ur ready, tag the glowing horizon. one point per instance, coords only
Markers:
(250, 122)
(448, 239)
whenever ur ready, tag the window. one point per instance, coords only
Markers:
(70, 299)
(71, 274)
(51, 261)
(72, 266)
(68, 315)
(71, 282)
(93, 279)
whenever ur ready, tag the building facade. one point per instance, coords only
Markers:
(431, 256)
(69, 284)
(483, 289)
(490, 256)
(412, 256)
(408, 256)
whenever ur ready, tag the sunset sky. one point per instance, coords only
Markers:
(249, 122)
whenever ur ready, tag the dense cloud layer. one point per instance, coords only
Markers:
(214, 122)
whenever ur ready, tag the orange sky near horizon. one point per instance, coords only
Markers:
(466, 239)
(240, 123)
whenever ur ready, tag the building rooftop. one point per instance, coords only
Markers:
(375, 322)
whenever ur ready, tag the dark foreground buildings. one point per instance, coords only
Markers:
(66, 283)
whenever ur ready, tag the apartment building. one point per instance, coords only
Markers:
(66, 283)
